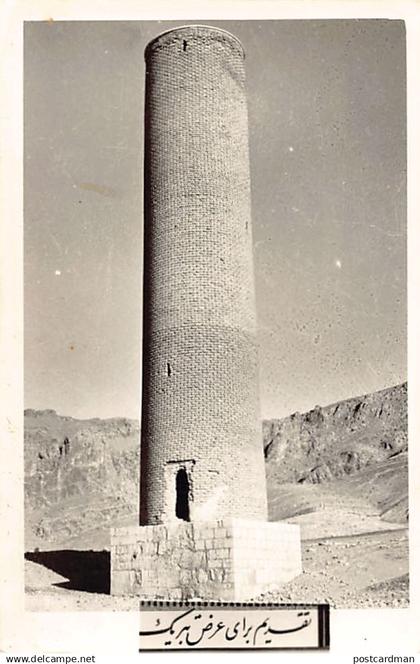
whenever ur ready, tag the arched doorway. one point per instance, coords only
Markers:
(182, 485)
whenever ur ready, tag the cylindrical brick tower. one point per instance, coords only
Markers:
(201, 442)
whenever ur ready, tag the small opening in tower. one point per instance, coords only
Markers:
(182, 486)
(184, 45)
(169, 370)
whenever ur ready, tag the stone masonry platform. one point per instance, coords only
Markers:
(229, 559)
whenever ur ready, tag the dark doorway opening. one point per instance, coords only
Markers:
(182, 506)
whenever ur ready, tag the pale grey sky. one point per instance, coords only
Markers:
(327, 142)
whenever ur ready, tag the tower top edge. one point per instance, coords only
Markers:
(194, 30)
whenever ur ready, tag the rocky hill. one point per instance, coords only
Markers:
(337, 440)
(346, 463)
(78, 474)
(81, 476)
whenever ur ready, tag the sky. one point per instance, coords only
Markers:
(327, 104)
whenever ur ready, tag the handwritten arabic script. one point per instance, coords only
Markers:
(225, 627)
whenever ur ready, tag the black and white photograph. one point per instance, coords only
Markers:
(215, 313)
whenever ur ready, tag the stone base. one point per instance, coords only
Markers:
(230, 559)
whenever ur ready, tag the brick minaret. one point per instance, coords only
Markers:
(201, 448)
(203, 506)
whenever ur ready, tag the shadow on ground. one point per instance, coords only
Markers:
(85, 570)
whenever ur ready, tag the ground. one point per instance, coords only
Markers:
(355, 571)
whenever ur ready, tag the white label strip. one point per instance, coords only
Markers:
(230, 626)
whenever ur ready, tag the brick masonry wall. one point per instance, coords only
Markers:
(200, 362)
(227, 559)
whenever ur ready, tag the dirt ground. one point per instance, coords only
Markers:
(355, 571)
(366, 570)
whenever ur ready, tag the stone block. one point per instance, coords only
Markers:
(220, 532)
(170, 562)
(199, 559)
(208, 533)
(217, 562)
